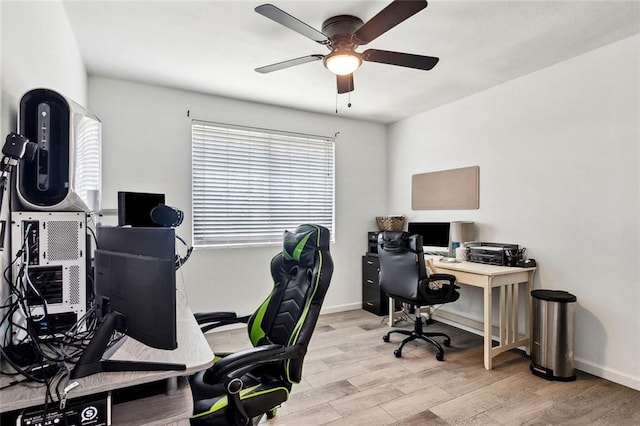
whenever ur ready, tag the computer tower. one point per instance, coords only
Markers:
(65, 174)
(53, 264)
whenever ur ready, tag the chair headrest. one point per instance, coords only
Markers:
(394, 240)
(400, 241)
(301, 246)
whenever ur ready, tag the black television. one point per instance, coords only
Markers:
(135, 294)
(134, 208)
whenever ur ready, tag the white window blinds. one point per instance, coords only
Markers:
(249, 185)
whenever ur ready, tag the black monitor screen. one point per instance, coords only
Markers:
(143, 290)
(134, 208)
(135, 294)
(135, 271)
(434, 234)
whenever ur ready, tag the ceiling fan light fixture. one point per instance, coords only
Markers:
(342, 62)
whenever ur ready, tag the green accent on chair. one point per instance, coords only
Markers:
(297, 251)
(265, 392)
(256, 333)
(244, 394)
(223, 402)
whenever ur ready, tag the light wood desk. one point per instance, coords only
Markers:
(193, 351)
(489, 277)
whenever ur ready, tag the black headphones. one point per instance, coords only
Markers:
(170, 217)
(167, 216)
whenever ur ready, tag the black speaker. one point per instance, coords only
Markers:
(372, 246)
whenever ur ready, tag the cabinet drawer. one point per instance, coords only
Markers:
(374, 301)
(371, 261)
(371, 281)
(370, 270)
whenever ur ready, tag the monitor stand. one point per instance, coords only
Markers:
(91, 361)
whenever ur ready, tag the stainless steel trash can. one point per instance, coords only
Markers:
(553, 328)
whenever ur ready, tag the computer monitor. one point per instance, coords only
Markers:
(435, 236)
(135, 294)
(134, 208)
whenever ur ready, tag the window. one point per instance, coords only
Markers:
(249, 185)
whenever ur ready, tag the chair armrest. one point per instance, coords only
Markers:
(447, 290)
(241, 362)
(211, 320)
(204, 317)
(443, 277)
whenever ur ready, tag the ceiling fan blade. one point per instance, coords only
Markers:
(283, 18)
(345, 83)
(289, 63)
(387, 18)
(401, 59)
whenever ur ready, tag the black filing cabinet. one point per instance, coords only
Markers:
(373, 299)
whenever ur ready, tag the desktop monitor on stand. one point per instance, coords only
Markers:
(441, 238)
(435, 236)
(136, 295)
(134, 208)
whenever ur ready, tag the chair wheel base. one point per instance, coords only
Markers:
(385, 338)
(447, 342)
(440, 357)
(397, 353)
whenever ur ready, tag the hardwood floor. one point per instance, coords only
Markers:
(351, 377)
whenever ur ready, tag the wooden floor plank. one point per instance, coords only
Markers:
(364, 400)
(373, 416)
(300, 401)
(335, 374)
(316, 415)
(465, 407)
(421, 419)
(626, 414)
(405, 407)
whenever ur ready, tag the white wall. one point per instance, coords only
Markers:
(559, 174)
(31, 59)
(48, 57)
(147, 147)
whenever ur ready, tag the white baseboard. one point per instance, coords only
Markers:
(607, 373)
(340, 308)
(227, 327)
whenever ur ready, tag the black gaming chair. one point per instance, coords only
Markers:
(403, 276)
(241, 387)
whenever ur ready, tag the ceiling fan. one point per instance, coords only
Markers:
(342, 34)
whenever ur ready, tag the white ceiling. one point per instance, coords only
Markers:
(213, 47)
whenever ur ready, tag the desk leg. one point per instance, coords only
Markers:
(487, 326)
(172, 386)
(392, 312)
(527, 314)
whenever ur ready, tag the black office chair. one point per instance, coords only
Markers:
(243, 386)
(403, 276)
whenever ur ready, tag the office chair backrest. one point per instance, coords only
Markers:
(402, 265)
(301, 275)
